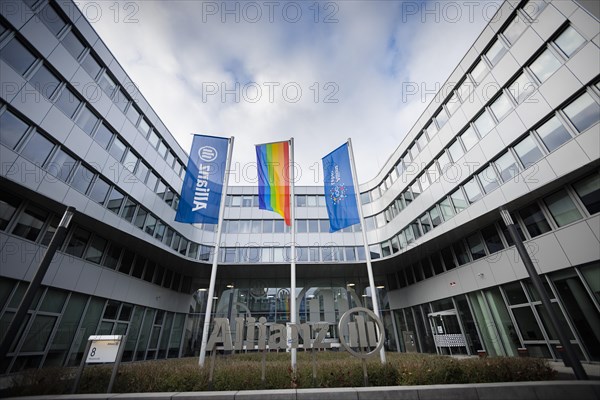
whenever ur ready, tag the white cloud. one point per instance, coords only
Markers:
(178, 48)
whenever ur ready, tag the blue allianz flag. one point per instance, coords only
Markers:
(203, 183)
(340, 197)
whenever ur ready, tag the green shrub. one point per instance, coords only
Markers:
(243, 372)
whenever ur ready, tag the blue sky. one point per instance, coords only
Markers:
(265, 71)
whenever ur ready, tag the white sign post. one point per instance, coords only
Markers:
(102, 349)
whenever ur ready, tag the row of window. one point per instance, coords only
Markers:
(57, 319)
(567, 42)
(302, 200)
(304, 254)
(52, 17)
(558, 209)
(58, 91)
(278, 226)
(578, 116)
(33, 223)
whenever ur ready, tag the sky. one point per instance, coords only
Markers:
(264, 71)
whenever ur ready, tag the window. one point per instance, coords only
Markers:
(458, 199)
(475, 247)
(425, 223)
(37, 149)
(583, 112)
(73, 44)
(415, 190)
(153, 139)
(521, 88)
(53, 21)
(562, 208)
(456, 151)
(472, 190)
(479, 72)
(150, 225)
(313, 225)
(82, 178)
(107, 84)
(448, 258)
(436, 216)
(528, 151)
(553, 134)
(144, 127)
(324, 225)
(77, 243)
(588, 190)
(446, 209)
(534, 220)
(501, 106)
(162, 149)
(99, 191)
(67, 102)
(112, 256)
(469, 138)
(514, 29)
(128, 210)
(142, 171)
(30, 222)
(488, 179)
(301, 226)
(484, 123)
(300, 201)
(159, 231)
(13, 129)
(462, 256)
(121, 100)
(464, 90)
(140, 218)
(117, 149)
(61, 166)
(443, 161)
(421, 142)
(424, 181)
(87, 120)
(133, 114)
(44, 82)
(507, 166)
(495, 52)
(103, 136)
(492, 239)
(17, 56)
(95, 250)
(170, 159)
(115, 199)
(91, 65)
(126, 262)
(569, 41)
(8, 206)
(545, 65)
(452, 104)
(311, 201)
(441, 118)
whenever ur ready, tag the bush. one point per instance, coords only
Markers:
(243, 372)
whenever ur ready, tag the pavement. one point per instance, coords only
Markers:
(566, 373)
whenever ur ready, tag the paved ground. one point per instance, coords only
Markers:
(566, 373)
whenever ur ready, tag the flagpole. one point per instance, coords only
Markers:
(293, 311)
(213, 273)
(374, 297)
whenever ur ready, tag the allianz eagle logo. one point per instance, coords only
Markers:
(207, 154)
(337, 193)
(360, 331)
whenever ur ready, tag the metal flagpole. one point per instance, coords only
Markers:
(293, 311)
(374, 297)
(213, 273)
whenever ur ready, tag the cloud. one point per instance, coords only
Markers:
(208, 67)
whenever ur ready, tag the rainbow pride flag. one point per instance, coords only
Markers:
(273, 160)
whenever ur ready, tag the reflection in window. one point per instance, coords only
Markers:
(583, 112)
(458, 199)
(17, 56)
(447, 209)
(73, 44)
(13, 129)
(534, 220)
(492, 239)
(61, 166)
(99, 191)
(103, 136)
(562, 208)
(495, 53)
(588, 190)
(44, 82)
(553, 134)
(464, 90)
(545, 65)
(441, 118)
(501, 106)
(115, 199)
(82, 178)
(528, 152)
(456, 151)
(107, 84)
(484, 123)
(479, 72)
(87, 120)
(569, 41)
(96, 249)
(521, 88)
(67, 102)
(472, 190)
(507, 166)
(30, 222)
(91, 65)
(77, 243)
(469, 138)
(453, 104)
(8, 206)
(53, 21)
(443, 162)
(117, 149)
(488, 179)
(514, 29)
(37, 149)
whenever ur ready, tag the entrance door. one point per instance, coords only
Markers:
(447, 334)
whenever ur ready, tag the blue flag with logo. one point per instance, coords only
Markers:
(340, 196)
(203, 182)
